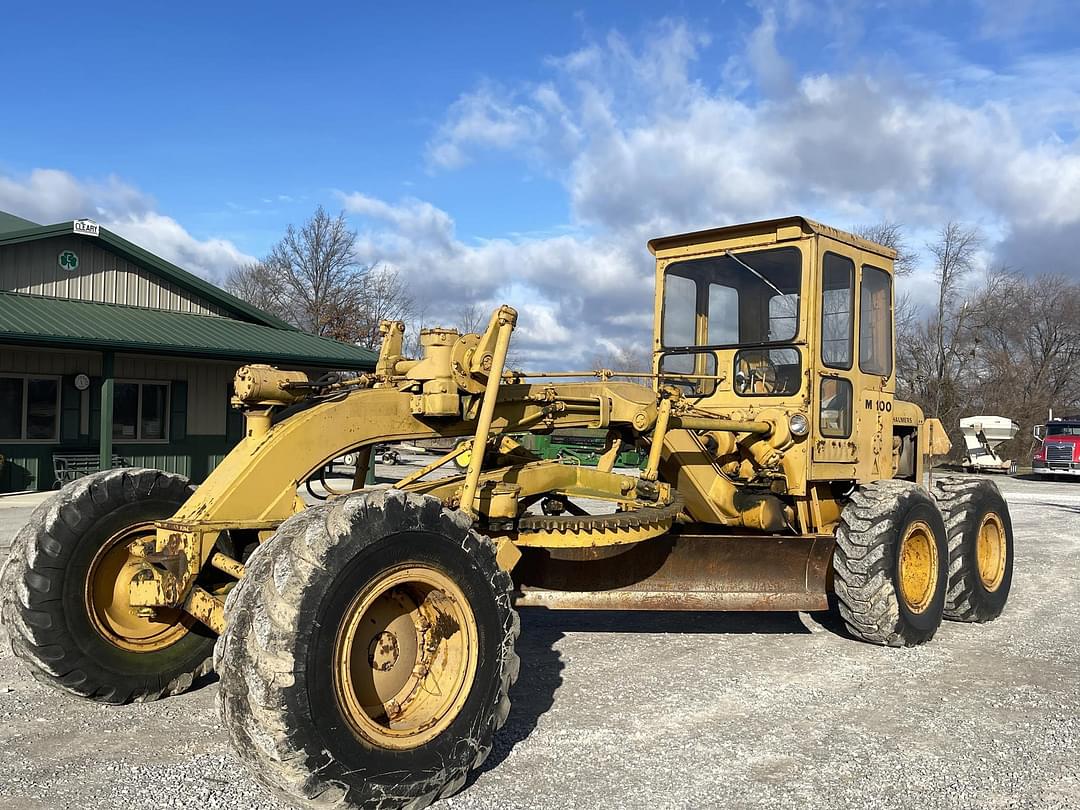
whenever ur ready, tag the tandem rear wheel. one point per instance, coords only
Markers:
(369, 653)
(980, 548)
(905, 558)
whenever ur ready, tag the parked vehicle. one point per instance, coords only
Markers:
(982, 436)
(1059, 453)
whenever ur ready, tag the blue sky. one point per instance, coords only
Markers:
(525, 152)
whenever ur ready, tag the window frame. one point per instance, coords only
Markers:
(701, 301)
(851, 314)
(843, 382)
(58, 379)
(771, 347)
(703, 387)
(890, 318)
(166, 417)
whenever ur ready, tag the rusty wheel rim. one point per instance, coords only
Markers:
(918, 569)
(108, 600)
(405, 657)
(990, 552)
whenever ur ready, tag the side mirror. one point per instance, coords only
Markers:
(1039, 432)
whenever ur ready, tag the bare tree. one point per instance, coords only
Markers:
(385, 297)
(255, 283)
(322, 278)
(471, 317)
(314, 280)
(1025, 337)
(891, 235)
(954, 253)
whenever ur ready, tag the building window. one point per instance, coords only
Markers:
(140, 411)
(29, 408)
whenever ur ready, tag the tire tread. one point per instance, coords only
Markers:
(255, 673)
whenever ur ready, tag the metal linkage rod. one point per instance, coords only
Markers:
(507, 320)
(607, 374)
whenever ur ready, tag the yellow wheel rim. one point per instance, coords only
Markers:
(918, 566)
(990, 551)
(405, 657)
(108, 605)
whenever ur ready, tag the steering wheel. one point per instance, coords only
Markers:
(759, 377)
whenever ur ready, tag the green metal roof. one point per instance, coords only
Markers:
(10, 222)
(155, 264)
(38, 320)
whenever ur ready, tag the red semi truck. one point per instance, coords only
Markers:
(1060, 450)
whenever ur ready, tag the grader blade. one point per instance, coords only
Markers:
(680, 572)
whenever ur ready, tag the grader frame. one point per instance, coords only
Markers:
(744, 481)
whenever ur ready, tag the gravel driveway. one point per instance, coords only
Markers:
(670, 710)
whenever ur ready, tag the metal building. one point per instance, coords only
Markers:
(112, 355)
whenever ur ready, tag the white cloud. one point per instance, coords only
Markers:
(50, 195)
(571, 291)
(681, 132)
(645, 147)
(773, 71)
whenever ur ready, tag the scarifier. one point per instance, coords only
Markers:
(365, 645)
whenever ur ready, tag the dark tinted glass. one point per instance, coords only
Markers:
(41, 410)
(11, 407)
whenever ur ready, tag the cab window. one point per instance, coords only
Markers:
(875, 322)
(680, 311)
(741, 299)
(837, 311)
(836, 407)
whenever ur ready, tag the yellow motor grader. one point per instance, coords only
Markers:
(365, 645)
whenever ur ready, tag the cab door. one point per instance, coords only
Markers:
(835, 386)
(876, 368)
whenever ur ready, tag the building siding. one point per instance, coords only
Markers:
(209, 382)
(209, 385)
(205, 441)
(102, 276)
(49, 361)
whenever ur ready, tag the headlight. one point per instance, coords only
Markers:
(799, 425)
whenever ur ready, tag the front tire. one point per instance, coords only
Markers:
(368, 654)
(890, 564)
(980, 548)
(63, 592)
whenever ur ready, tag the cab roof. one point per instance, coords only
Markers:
(773, 227)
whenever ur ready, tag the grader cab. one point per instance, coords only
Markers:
(365, 645)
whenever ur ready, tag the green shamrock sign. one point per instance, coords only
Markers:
(68, 260)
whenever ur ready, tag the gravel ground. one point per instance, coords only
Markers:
(670, 710)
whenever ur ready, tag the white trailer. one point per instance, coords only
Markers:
(982, 435)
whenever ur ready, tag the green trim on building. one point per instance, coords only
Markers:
(30, 466)
(38, 321)
(148, 261)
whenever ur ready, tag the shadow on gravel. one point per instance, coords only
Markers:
(541, 665)
(1061, 506)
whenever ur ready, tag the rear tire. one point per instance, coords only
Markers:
(78, 637)
(314, 665)
(890, 564)
(980, 548)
